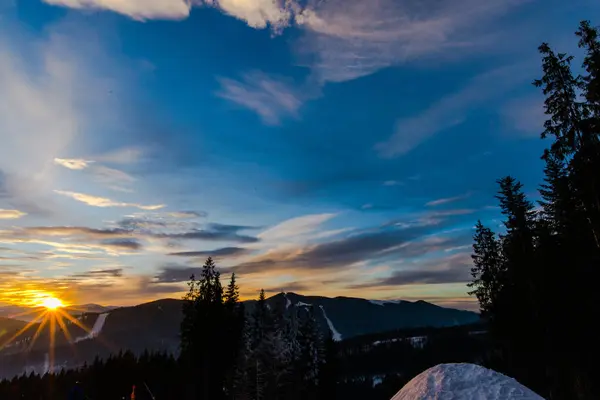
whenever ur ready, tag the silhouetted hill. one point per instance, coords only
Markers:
(154, 326)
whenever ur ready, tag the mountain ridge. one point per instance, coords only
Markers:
(154, 326)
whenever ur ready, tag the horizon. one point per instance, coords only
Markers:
(314, 147)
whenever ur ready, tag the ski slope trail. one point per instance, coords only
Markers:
(464, 382)
(337, 337)
(96, 329)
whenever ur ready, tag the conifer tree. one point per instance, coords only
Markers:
(488, 269)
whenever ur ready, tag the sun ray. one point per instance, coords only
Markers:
(39, 330)
(32, 311)
(74, 321)
(63, 328)
(52, 341)
(22, 330)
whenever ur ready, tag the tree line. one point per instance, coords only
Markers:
(536, 280)
(226, 353)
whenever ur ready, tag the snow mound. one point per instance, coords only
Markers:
(464, 382)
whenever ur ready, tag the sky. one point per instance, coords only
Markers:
(331, 147)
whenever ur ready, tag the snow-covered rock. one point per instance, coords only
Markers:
(464, 382)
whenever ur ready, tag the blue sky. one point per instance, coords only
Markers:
(339, 147)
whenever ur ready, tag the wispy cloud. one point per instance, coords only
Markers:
(344, 39)
(11, 214)
(525, 115)
(354, 38)
(447, 200)
(51, 92)
(97, 201)
(450, 269)
(295, 227)
(365, 245)
(452, 110)
(73, 163)
(221, 253)
(392, 183)
(272, 98)
(126, 155)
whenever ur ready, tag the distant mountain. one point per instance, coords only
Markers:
(8, 327)
(155, 326)
(89, 308)
(25, 313)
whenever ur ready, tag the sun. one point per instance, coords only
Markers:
(52, 303)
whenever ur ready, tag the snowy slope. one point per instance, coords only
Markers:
(463, 382)
(336, 335)
(96, 329)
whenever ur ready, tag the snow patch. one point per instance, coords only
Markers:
(415, 341)
(377, 380)
(96, 329)
(337, 337)
(288, 303)
(465, 382)
(384, 302)
(302, 304)
(418, 341)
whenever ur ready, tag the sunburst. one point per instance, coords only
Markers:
(52, 303)
(48, 311)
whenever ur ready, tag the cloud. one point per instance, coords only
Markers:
(125, 237)
(259, 13)
(452, 269)
(295, 227)
(188, 214)
(54, 231)
(349, 39)
(367, 245)
(209, 235)
(256, 13)
(452, 110)
(149, 9)
(11, 214)
(296, 287)
(127, 155)
(344, 39)
(54, 94)
(111, 176)
(73, 163)
(102, 273)
(526, 115)
(130, 244)
(392, 183)
(173, 273)
(222, 252)
(270, 97)
(429, 218)
(105, 202)
(37, 117)
(447, 200)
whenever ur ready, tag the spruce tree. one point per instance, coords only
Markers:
(487, 271)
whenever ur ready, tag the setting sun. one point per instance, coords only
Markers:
(52, 303)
